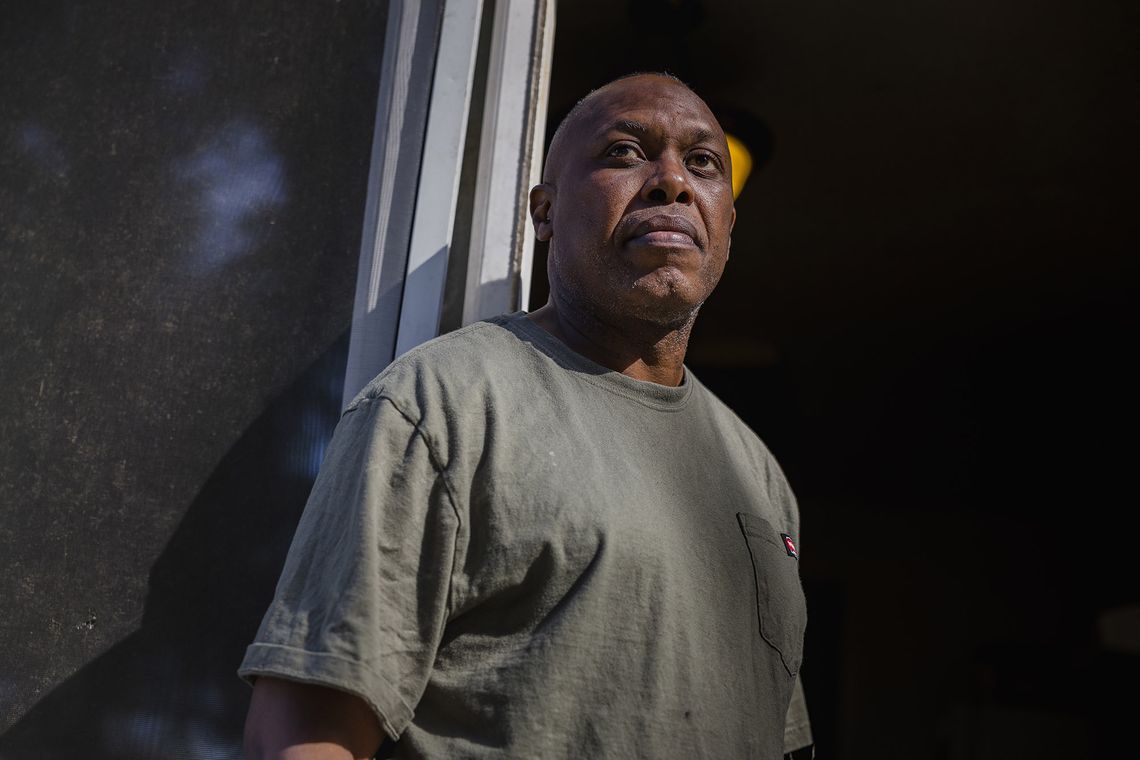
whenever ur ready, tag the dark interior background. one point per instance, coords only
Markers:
(929, 316)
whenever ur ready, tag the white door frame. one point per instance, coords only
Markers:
(406, 247)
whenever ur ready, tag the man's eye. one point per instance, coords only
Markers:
(622, 151)
(703, 161)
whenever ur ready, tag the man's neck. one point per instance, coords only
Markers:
(642, 351)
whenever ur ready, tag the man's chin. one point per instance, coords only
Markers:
(662, 300)
(666, 296)
(669, 310)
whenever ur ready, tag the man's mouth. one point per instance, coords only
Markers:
(665, 237)
(664, 231)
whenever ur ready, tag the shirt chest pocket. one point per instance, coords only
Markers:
(779, 597)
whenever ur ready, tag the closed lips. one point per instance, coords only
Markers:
(666, 224)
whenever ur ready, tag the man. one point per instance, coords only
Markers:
(540, 536)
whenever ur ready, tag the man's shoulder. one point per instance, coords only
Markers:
(740, 437)
(728, 421)
(458, 362)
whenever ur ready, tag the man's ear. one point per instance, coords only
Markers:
(541, 205)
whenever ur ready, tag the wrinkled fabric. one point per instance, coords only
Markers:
(512, 551)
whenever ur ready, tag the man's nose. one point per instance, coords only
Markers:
(669, 183)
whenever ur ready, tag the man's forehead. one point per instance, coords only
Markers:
(657, 125)
(648, 104)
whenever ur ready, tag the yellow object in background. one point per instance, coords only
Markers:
(741, 164)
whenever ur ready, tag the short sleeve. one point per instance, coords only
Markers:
(362, 601)
(797, 726)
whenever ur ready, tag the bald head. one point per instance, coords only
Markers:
(581, 112)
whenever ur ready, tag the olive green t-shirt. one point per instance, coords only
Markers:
(513, 552)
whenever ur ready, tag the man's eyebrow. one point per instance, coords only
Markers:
(633, 127)
(628, 125)
(702, 134)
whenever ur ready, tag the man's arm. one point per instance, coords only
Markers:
(363, 597)
(295, 721)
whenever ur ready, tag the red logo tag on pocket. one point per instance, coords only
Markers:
(790, 545)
